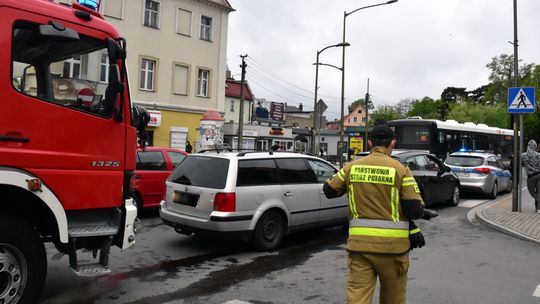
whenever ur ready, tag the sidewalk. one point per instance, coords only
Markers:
(499, 215)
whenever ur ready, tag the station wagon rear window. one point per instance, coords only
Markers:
(200, 171)
(465, 161)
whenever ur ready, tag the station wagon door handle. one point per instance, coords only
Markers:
(288, 193)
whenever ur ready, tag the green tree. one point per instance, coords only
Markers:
(404, 106)
(493, 116)
(501, 77)
(384, 113)
(360, 102)
(449, 97)
(426, 108)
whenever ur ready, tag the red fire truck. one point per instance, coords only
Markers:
(68, 135)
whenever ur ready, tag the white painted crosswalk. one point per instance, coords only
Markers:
(536, 293)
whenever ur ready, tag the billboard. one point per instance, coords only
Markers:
(269, 111)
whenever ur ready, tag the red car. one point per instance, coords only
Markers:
(153, 167)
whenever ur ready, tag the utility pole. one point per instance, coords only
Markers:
(367, 117)
(241, 117)
(518, 122)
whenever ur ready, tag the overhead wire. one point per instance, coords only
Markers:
(264, 78)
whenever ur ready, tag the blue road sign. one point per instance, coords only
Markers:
(521, 100)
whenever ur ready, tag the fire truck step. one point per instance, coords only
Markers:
(92, 230)
(91, 270)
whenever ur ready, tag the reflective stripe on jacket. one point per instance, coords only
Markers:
(375, 186)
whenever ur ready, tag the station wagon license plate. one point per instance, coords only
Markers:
(463, 174)
(184, 198)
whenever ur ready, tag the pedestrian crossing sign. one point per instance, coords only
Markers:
(521, 100)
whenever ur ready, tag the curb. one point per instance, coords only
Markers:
(479, 213)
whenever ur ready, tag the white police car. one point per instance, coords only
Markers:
(480, 171)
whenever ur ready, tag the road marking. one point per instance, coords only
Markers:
(471, 203)
(236, 302)
(536, 293)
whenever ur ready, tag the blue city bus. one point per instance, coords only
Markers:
(444, 137)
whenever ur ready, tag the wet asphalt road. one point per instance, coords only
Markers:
(462, 263)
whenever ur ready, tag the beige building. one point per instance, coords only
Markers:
(357, 118)
(176, 61)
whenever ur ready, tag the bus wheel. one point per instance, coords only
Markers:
(23, 262)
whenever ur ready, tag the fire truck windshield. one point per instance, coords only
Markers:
(69, 72)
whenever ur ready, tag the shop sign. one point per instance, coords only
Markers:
(155, 118)
(250, 133)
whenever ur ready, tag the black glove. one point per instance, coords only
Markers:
(429, 214)
(415, 236)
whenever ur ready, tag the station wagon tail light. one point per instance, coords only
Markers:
(483, 170)
(225, 202)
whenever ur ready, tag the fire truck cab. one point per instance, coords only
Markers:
(68, 135)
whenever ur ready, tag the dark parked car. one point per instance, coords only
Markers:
(153, 167)
(437, 183)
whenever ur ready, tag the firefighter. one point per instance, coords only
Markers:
(383, 200)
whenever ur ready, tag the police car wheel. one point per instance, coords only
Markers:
(454, 199)
(494, 191)
(269, 231)
(510, 186)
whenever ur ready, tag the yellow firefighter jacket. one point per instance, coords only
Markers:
(375, 186)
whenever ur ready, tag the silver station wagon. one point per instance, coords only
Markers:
(258, 197)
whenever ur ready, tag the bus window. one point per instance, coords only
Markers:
(411, 135)
(441, 137)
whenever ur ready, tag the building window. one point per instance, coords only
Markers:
(363, 119)
(183, 22)
(355, 119)
(180, 79)
(202, 82)
(147, 75)
(232, 105)
(104, 68)
(206, 28)
(114, 8)
(151, 13)
(72, 68)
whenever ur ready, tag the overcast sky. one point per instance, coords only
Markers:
(409, 49)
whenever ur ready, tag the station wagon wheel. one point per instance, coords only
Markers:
(454, 199)
(269, 231)
(494, 191)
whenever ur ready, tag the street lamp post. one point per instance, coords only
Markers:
(342, 127)
(315, 112)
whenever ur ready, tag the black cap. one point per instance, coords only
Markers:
(382, 132)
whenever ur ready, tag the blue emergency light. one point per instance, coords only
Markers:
(92, 4)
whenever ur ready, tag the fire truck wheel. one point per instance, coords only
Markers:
(137, 201)
(23, 262)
